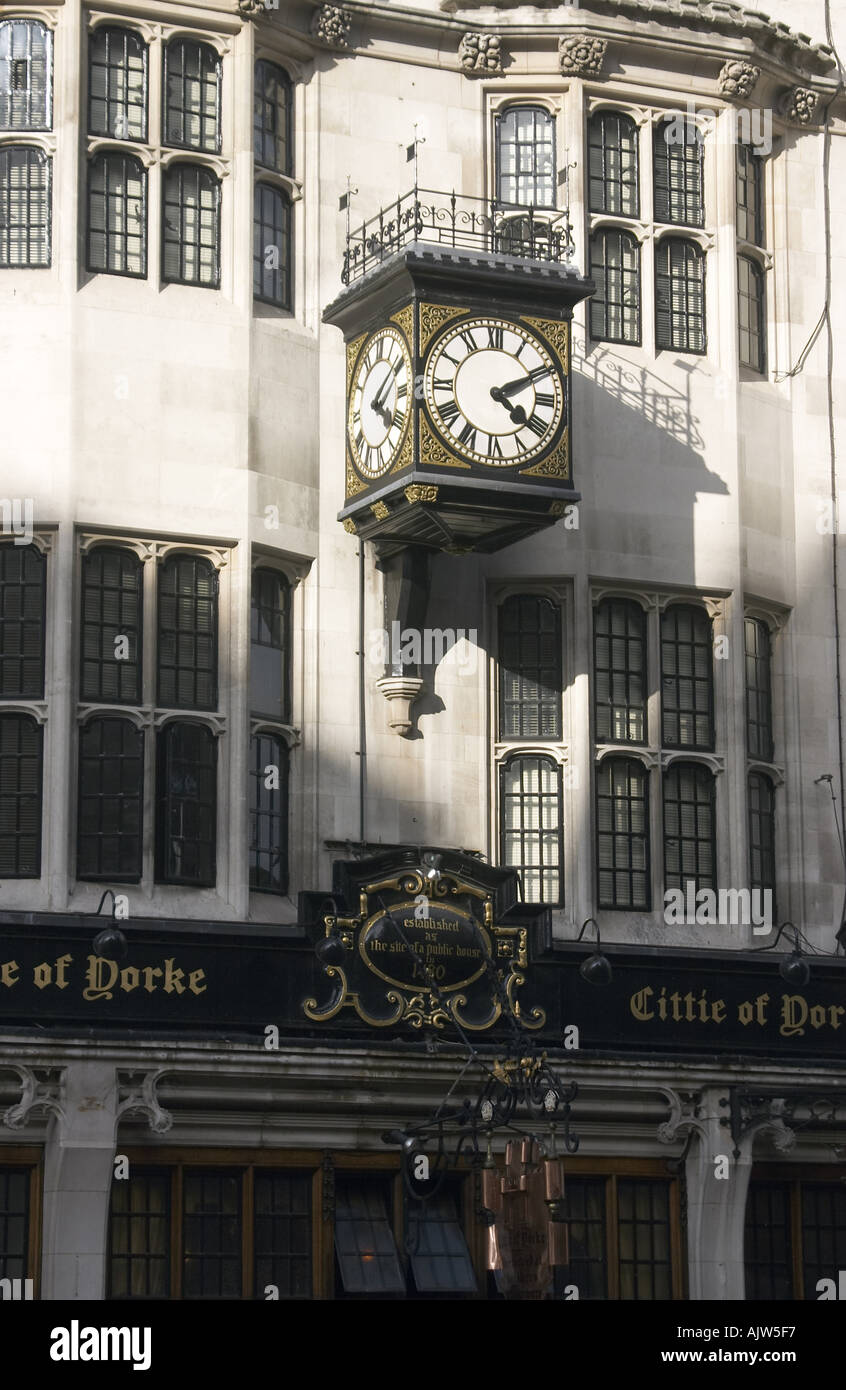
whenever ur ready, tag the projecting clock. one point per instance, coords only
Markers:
(379, 406)
(494, 391)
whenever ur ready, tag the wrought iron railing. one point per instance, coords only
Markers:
(452, 219)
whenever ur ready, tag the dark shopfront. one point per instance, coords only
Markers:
(213, 1102)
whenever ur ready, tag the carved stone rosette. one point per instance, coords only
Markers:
(330, 24)
(250, 9)
(738, 79)
(480, 53)
(581, 55)
(799, 105)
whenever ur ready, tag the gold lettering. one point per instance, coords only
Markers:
(130, 978)
(61, 965)
(43, 975)
(9, 973)
(638, 1005)
(148, 972)
(101, 976)
(834, 1010)
(173, 979)
(794, 1013)
(194, 981)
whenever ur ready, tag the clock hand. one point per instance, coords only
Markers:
(511, 387)
(517, 413)
(382, 394)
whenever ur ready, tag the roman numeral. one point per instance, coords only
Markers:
(536, 425)
(399, 419)
(356, 420)
(359, 440)
(543, 398)
(441, 383)
(494, 447)
(468, 340)
(449, 412)
(538, 373)
(402, 390)
(456, 361)
(495, 337)
(467, 436)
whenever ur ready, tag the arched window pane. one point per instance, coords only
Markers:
(525, 157)
(187, 638)
(111, 790)
(529, 668)
(25, 208)
(25, 75)
(22, 599)
(615, 270)
(269, 645)
(192, 96)
(268, 813)
(622, 834)
(677, 171)
(762, 836)
(531, 827)
(759, 698)
(117, 84)
(272, 246)
(612, 160)
(117, 215)
(750, 314)
(687, 695)
(272, 118)
(690, 851)
(110, 659)
(21, 744)
(186, 805)
(192, 226)
(620, 671)
(680, 295)
(749, 195)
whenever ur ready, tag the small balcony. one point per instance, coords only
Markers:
(487, 226)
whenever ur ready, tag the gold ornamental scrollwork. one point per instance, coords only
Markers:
(354, 483)
(404, 457)
(554, 465)
(380, 511)
(349, 526)
(421, 492)
(433, 451)
(432, 319)
(353, 349)
(404, 320)
(556, 332)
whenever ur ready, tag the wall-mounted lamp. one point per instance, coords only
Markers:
(793, 969)
(596, 969)
(111, 941)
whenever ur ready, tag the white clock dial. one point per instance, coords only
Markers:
(379, 404)
(494, 391)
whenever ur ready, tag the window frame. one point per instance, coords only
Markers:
(24, 717)
(758, 846)
(666, 282)
(100, 875)
(184, 41)
(126, 32)
(751, 175)
(41, 558)
(549, 119)
(30, 1159)
(517, 755)
(631, 606)
(703, 772)
(255, 811)
(175, 558)
(597, 121)
(698, 611)
(615, 905)
(178, 170)
(36, 157)
(105, 158)
(797, 1179)
(754, 333)
(32, 24)
(166, 802)
(99, 698)
(692, 189)
(602, 334)
(285, 270)
(268, 65)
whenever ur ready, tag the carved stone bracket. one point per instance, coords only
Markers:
(581, 55)
(138, 1097)
(400, 692)
(751, 1116)
(799, 105)
(37, 1093)
(684, 1116)
(251, 9)
(330, 24)
(738, 79)
(480, 54)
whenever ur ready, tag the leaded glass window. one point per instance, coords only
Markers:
(110, 662)
(531, 827)
(270, 645)
(525, 157)
(117, 215)
(192, 96)
(750, 314)
(211, 1234)
(187, 638)
(615, 270)
(612, 164)
(25, 208)
(273, 118)
(687, 696)
(762, 835)
(186, 793)
(268, 813)
(620, 671)
(690, 851)
(191, 254)
(139, 1236)
(678, 163)
(622, 830)
(680, 295)
(26, 47)
(22, 616)
(759, 706)
(117, 84)
(15, 1191)
(21, 747)
(529, 668)
(749, 194)
(111, 792)
(272, 246)
(644, 1236)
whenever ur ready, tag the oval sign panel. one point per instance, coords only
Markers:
(412, 951)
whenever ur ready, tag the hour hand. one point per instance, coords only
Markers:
(517, 413)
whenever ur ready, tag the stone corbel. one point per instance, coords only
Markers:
(715, 761)
(44, 1095)
(626, 750)
(684, 1117)
(798, 105)
(480, 55)
(581, 55)
(330, 24)
(400, 692)
(138, 1097)
(751, 1117)
(738, 79)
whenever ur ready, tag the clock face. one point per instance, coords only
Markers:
(379, 404)
(494, 391)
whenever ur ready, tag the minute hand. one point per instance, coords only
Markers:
(511, 387)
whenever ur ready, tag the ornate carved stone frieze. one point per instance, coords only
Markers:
(37, 1093)
(799, 105)
(738, 79)
(330, 24)
(480, 53)
(581, 55)
(138, 1097)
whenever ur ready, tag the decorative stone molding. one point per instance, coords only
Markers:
(35, 709)
(250, 9)
(753, 1116)
(400, 692)
(684, 1115)
(330, 24)
(581, 55)
(214, 722)
(647, 757)
(36, 1094)
(771, 770)
(648, 602)
(560, 753)
(715, 761)
(290, 736)
(738, 79)
(480, 54)
(138, 1097)
(141, 718)
(799, 105)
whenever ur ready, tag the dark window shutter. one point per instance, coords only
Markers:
(21, 749)
(111, 794)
